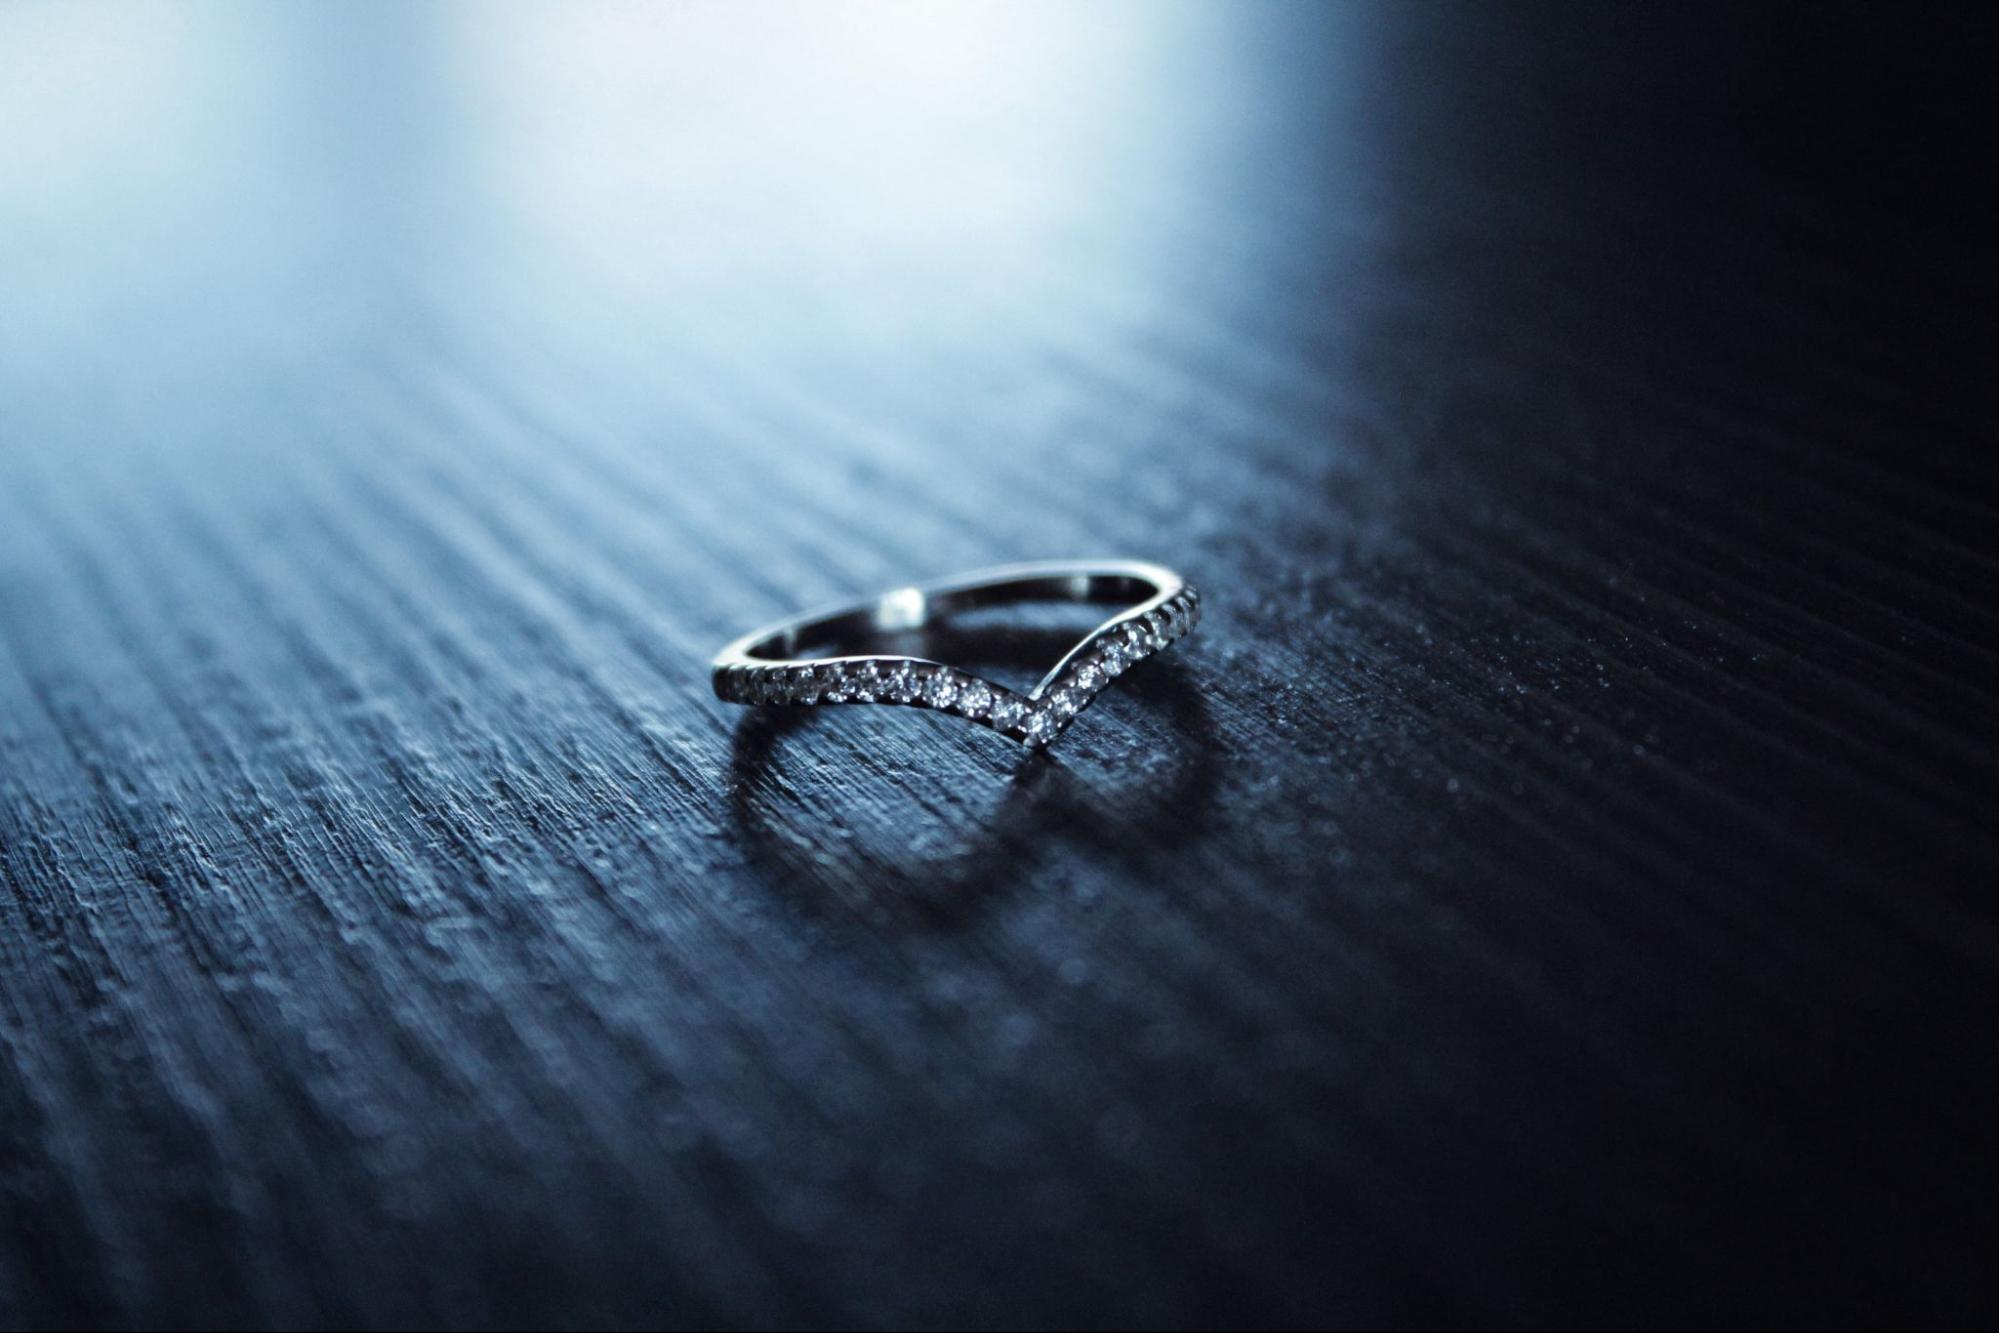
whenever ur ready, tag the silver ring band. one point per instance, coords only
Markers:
(772, 665)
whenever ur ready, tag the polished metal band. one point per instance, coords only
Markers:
(774, 665)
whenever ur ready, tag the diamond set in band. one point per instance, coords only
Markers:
(1035, 718)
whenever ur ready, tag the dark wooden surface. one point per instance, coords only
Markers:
(1554, 885)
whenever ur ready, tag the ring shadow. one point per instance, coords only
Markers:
(1045, 803)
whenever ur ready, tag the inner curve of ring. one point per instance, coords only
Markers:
(913, 608)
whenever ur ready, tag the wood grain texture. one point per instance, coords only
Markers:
(1553, 886)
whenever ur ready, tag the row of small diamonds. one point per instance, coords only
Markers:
(1116, 650)
(1034, 720)
(870, 681)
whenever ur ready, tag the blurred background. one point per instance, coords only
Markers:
(774, 253)
(920, 213)
(1551, 888)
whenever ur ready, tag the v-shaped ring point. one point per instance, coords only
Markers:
(764, 667)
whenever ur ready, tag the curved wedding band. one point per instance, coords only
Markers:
(773, 665)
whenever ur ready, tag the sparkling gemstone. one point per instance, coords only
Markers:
(1068, 703)
(1042, 724)
(807, 685)
(1089, 678)
(901, 684)
(1137, 643)
(1007, 711)
(839, 687)
(975, 699)
(940, 690)
(864, 683)
(1111, 656)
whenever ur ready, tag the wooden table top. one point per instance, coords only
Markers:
(1550, 887)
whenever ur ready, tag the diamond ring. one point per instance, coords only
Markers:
(799, 661)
